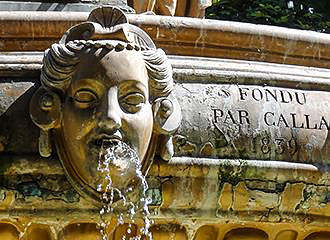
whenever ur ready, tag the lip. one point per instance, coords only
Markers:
(105, 139)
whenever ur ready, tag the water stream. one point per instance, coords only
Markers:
(123, 158)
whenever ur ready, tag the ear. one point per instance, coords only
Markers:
(45, 112)
(45, 109)
(167, 119)
(167, 115)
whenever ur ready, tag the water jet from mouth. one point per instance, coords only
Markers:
(120, 168)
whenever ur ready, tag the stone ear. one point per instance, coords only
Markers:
(45, 109)
(167, 119)
(45, 112)
(167, 115)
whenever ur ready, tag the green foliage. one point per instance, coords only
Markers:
(301, 14)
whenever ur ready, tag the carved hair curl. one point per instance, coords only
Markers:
(59, 65)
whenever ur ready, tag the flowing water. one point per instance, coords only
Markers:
(123, 157)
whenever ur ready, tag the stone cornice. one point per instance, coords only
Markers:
(35, 31)
(199, 70)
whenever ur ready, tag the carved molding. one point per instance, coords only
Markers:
(194, 37)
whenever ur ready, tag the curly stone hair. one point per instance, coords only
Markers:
(60, 62)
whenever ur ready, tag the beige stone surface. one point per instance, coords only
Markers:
(194, 8)
(210, 190)
(199, 193)
(221, 231)
(291, 197)
(226, 197)
(187, 194)
(36, 31)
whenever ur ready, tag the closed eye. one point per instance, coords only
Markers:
(132, 102)
(85, 98)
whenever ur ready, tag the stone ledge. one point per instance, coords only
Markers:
(207, 189)
(64, 6)
(199, 70)
(35, 31)
(19, 164)
(224, 230)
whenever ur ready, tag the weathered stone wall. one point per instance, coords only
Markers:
(251, 157)
(215, 187)
(36, 31)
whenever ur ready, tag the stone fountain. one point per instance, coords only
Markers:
(222, 135)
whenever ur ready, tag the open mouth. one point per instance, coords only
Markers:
(107, 141)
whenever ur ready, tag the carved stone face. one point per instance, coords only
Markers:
(94, 98)
(107, 101)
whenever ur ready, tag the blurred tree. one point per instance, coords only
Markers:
(301, 14)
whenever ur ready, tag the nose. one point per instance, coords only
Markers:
(111, 112)
(111, 122)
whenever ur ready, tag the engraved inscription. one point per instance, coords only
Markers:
(256, 122)
(278, 123)
(239, 116)
(280, 145)
(289, 121)
(279, 119)
(271, 95)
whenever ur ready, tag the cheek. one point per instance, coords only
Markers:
(140, 129)
(77, 122)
